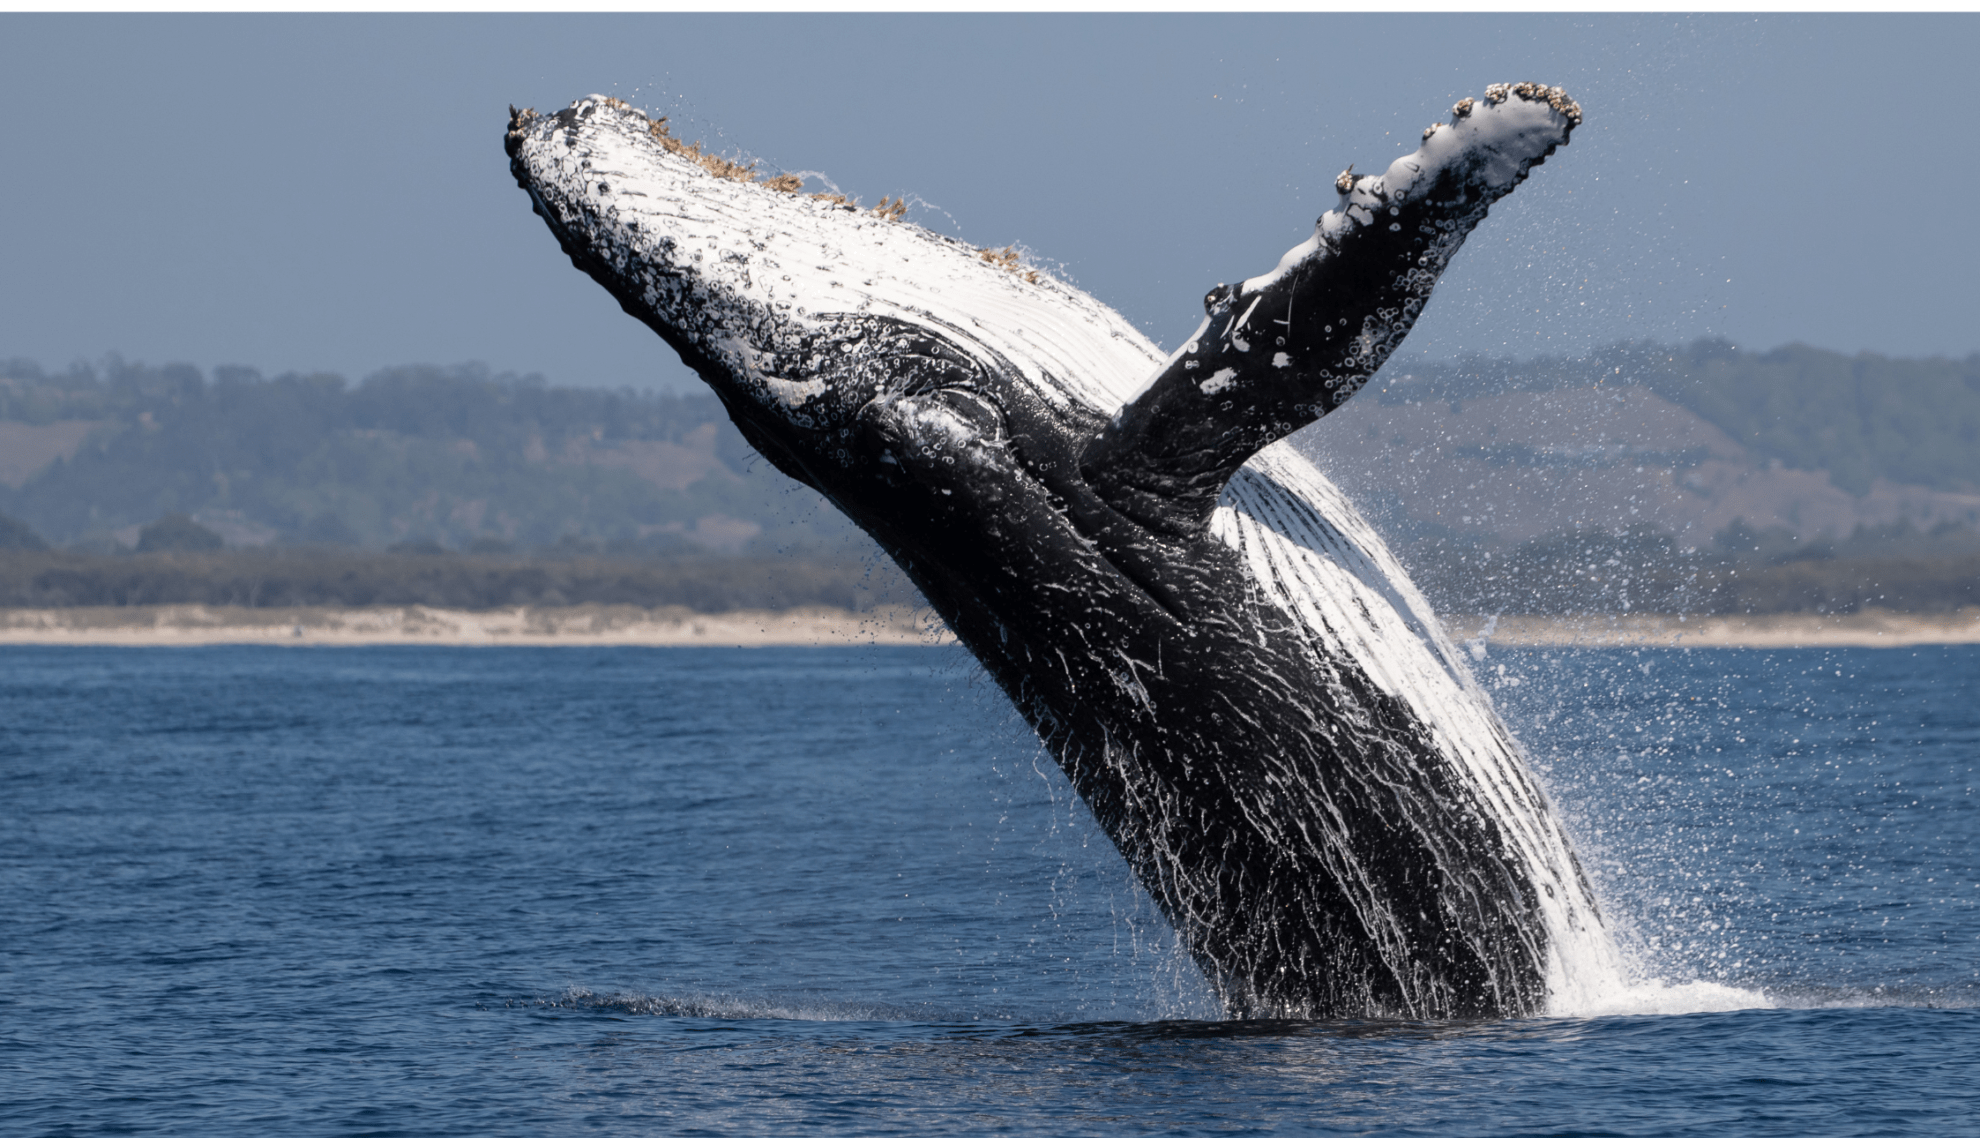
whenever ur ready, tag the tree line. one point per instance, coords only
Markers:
(449, 456)
(282, 578)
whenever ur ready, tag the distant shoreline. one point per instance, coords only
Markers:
(1869, 628)
(593, 625)
(633, 626)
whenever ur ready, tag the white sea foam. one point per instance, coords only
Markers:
(1656, 998)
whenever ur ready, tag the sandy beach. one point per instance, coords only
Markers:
(1871, 628)
(190, 625)
(594, 625)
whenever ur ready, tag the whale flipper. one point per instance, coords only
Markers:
(1234, 673)
(1286, 347)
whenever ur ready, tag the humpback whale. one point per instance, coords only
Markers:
(1233, 670)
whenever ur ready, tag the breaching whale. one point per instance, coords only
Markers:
(1234, 672)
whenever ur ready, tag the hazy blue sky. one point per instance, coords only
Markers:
(305, 192)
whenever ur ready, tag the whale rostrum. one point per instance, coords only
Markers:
(1230, 666)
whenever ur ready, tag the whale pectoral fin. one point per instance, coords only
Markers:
(1282, 349)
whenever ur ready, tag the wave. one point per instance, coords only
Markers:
(754, 1007)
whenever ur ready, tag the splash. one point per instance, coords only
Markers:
(1656, 998)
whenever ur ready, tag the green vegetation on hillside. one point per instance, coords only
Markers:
(1859, 418)
(1642, 569)
(442, 455)
(17, 534)
(283, 578)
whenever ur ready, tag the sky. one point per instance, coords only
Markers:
(329, 192)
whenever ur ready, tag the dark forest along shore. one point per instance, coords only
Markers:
(440, 890)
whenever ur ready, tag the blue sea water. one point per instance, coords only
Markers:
(520, 891)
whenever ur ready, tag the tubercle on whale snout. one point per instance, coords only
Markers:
(1334, 829)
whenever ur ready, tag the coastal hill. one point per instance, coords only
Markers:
(1643, 477)
(1688, 441)
(1647, 477)
(459, 458)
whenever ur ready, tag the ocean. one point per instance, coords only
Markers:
(408, 891)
